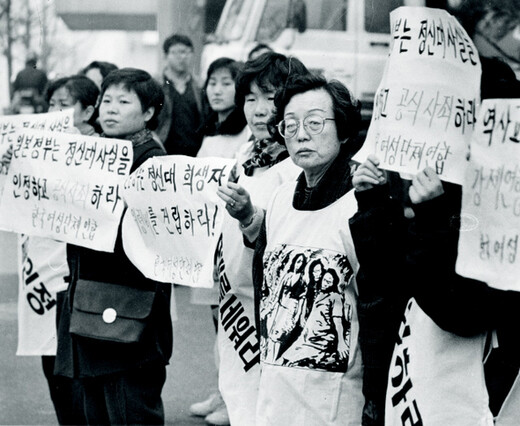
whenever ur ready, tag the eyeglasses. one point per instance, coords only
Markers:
(313, 124)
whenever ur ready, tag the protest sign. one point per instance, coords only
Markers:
(488, 243)
(53, 121)
(174, 217)
(66, 187)
(425, 106)
(43, 270)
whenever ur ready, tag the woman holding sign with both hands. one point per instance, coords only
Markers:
(115, 331)
(399, 261)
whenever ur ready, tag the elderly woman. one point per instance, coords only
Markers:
(122, 367)
(318, 121)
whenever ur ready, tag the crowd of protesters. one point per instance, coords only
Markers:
(319, 258)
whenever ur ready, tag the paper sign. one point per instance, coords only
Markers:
(488, 243)
(424, 109)
(66, 187)
(174, 217)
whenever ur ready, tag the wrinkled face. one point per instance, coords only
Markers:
(221, 90)
(120, 112)
(312, 152)
(258, 108)
(327, 282)
(95, 75)
(61, 99)
(179, 58)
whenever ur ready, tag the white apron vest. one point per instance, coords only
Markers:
(436, 378)
(43, 267)
(239, 369)
(311, 362)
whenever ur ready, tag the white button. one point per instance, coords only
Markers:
(109, 315)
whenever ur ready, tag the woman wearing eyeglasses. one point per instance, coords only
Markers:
(318, 378)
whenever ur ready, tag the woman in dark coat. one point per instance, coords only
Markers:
(122, 375)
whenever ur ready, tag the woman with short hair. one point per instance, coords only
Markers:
(122, 376)
(318, 378)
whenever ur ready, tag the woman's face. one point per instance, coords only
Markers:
(120, 112)
(311, 152)
(258, 108)
(327, 281)
(221, 90)
(317, 271)
(62, 99)
(95, 75)
(298, 263)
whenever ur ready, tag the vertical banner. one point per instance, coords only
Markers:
(66, 187)
(488, 244)
(43, 271)
(425, 106)
(174, 217)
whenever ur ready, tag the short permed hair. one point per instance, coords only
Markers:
(346, 108)
(149, 92)
(268, 70)
(176, 39)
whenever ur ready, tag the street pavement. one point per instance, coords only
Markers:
(24, 397)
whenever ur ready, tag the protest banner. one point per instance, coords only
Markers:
(43, 271)
(174, 217)
(66, 187)
(488, 243)
(53, 121)
(425, 106)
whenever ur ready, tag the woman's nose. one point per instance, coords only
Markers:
(302, 133)
(262, 108)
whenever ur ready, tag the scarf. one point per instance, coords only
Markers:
(266, 153)
(137, 138)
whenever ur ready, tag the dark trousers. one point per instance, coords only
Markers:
(128, 398)
(66, 395)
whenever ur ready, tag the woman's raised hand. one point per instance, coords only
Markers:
(238, 202)
(426, 185)
(368, 175)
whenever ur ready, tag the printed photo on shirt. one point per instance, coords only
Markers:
(305, 318)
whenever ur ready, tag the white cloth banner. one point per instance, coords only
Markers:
(424, 110)
(174, 217)
(42, 272)
(436, 377)
(66, 187)
(53, 121)
(488, 249)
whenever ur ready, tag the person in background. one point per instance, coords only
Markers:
(263, 165)
(181, 116)
(259, 49)
(29, 89)
(97, 71)
(31, 78)
(122, 374)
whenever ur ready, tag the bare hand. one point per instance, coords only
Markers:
(238, 202)
(368, 175)
(426, 185)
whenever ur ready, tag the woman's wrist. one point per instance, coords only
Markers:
(248, 220)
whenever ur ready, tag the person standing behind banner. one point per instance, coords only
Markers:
(223, 133)
(181, 116)
(122, 368)
(48, 259)
(263, 165)
(97, 71)
(315, 381)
